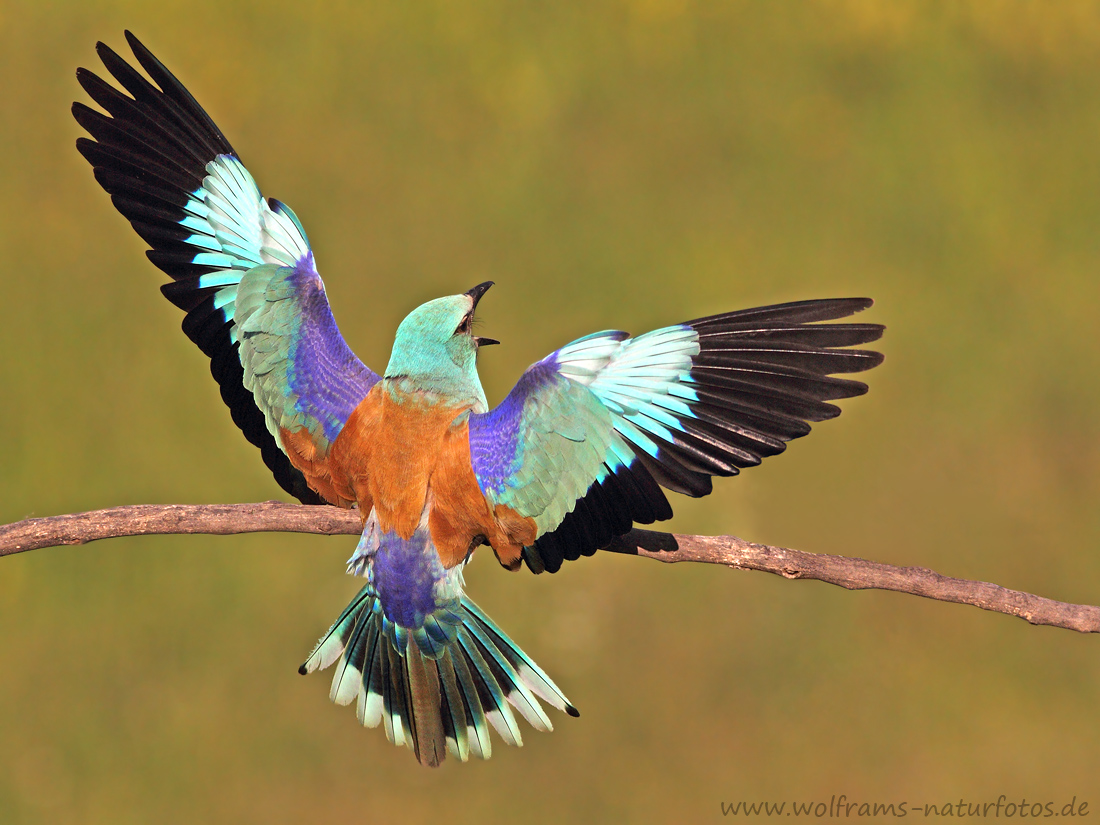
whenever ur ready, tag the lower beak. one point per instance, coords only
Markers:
(484, 342)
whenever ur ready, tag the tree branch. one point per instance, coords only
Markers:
(274, 516)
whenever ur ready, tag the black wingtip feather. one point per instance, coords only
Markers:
(795, 312)
(670, 472)
(176, 91)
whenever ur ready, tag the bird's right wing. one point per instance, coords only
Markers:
(241, 266)
(584, 439)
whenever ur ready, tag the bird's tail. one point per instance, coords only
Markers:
(440, 701)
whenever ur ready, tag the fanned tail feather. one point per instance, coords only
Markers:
(440, 700)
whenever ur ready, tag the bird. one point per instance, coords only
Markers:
(577, 453)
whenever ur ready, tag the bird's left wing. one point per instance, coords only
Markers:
(587, 438)
(241, 266)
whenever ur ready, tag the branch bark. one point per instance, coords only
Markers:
(273, 516)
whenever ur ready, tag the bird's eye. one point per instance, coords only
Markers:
(464, 327)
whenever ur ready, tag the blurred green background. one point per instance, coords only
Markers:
(608, 164)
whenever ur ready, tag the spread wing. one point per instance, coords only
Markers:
(590, 434)
(241, 266)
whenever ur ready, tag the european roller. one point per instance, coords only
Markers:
(573, 457)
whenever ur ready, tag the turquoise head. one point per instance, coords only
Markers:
(435, 349)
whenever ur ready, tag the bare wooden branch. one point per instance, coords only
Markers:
(161, 519)
(859, 574)
(275, 516)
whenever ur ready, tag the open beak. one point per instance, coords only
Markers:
(478, 291)
(476, 294)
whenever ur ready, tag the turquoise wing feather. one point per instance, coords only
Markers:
(590, 434)
(241, 265)
(560, 437)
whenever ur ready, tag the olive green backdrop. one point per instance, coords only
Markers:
(608, 164)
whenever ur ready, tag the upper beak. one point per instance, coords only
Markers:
(484, 342)
(478, 291)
